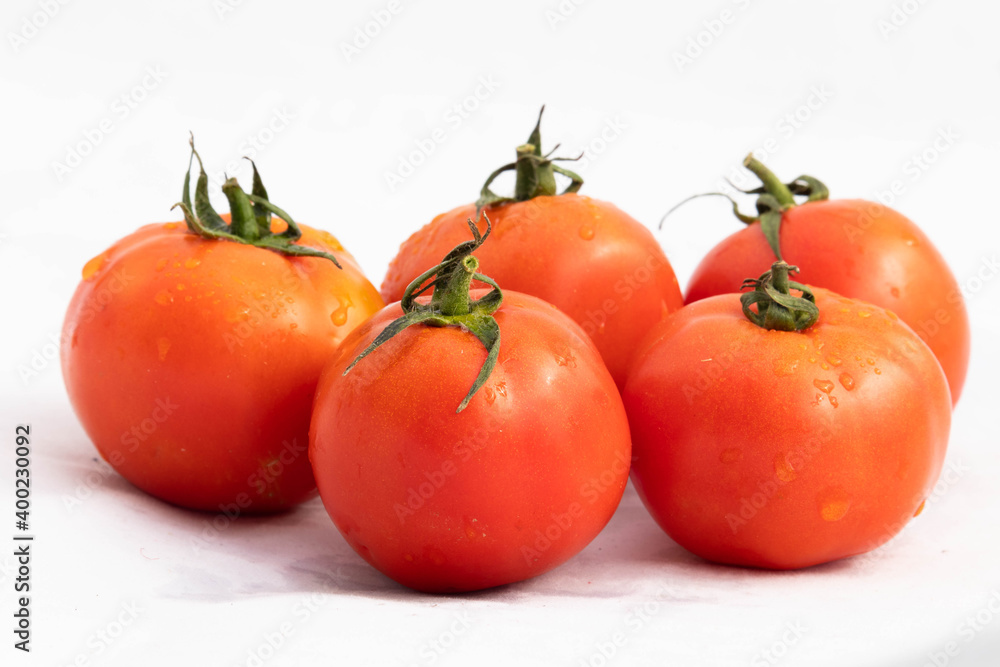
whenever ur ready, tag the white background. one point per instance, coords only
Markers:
(231, 71)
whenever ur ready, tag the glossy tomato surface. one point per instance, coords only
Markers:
(785, 449)
(589, 258)
(864, 251)
(515, 484)
(192, 363)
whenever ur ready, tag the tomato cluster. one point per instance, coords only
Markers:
(481, 428)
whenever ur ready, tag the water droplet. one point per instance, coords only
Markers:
(731, 455)
(895, 292)
(921, 508)
(163, 297)
(783, 368)
(824, 386)
(180, 287)
(586, 232)
(162, 347)
(160, 265)
(833, 503)
(864, 313)
(892, 315)
(878, 371)
(339, 316)
(825, 366)
(870, 361)
(846, 381)
(834, 402)
(566, 358)
(812, 360)
(911, 241)
(171, 225)
(192, 263)
(91, 268)
(783, 469)
(833, 361)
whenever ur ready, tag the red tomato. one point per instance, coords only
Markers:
(513, 485)
(592, 260)
(862, 250)
(192, 362)
(783, 449)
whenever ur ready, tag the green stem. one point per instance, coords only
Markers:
(242, 219)
(453, 299)
(451, 306)
(772, 184)
(536, 174)
(777, 308)
(250, 221)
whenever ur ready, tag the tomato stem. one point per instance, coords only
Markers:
(242, 219)
(774, 198)
(451, 306)
(535, 173)
(777, 308)
(772, 185)
(250, 215)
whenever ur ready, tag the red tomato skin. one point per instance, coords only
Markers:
(192, 363)
(750, 449)
(862, 250)
(587, 257)
(517, 483)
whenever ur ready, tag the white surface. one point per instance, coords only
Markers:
(343, 125)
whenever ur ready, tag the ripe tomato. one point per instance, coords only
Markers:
(862, 250)
(588, 257)
(515, 483)
(191, 362)
(785, 449)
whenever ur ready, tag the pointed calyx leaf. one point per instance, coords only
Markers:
(451, 306)
(535, 173)
(775, 198)
(250, 215)
(777, 308)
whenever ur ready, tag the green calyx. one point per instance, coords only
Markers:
(536, 173)
(774, 199)
(451, 306)
(777, 308)
(250, 215)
